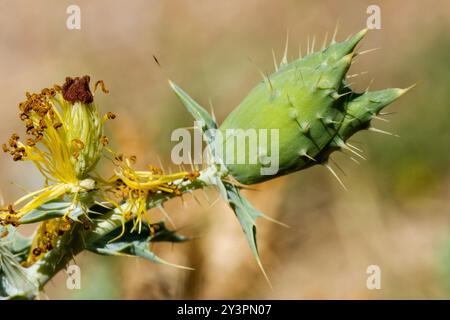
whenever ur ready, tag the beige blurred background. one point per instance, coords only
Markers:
(396, 213)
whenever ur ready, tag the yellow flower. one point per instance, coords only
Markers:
(65, 140)
(134, 188)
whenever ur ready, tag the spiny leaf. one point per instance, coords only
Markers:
(247, 216)
(197, 111)
(17, 244)
(162, 234)
(14, 281)
(50, 210)
(136, 243)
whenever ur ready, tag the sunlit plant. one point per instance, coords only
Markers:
(308, 100)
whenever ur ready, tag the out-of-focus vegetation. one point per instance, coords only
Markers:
(396, 213)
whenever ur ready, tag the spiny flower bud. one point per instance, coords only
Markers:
(312, 107)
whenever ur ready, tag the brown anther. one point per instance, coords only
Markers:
(51, 113)
(102, 85)
(35, 131)
(42, 124)
(133, 159)
(104, 140)
(119, 157)
(23, 116)
(154, 169)
(13, 140)
(29, 123)
(78, 144)
(37, 251)
(67, 224)
(17, 157)
(31, 142)
(5, 148)
(48, 246)
(42, 110)
(51, 92)
(57, 125)
(193, 175)
(77, 89)
(110, 115)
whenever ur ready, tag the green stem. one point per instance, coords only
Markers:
(77, 240)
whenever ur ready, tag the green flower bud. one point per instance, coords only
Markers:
(308, 102)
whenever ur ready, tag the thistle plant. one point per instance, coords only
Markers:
(307, 100)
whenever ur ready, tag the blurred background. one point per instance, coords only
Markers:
(396, 213)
